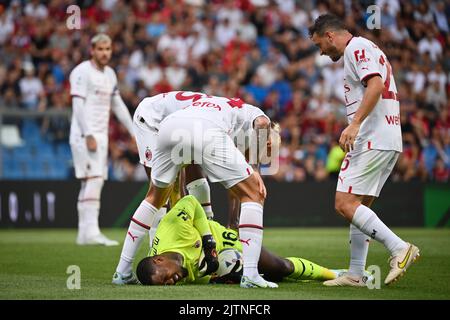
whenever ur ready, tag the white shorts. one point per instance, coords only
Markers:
(182, 141)
(145, 140)
(365, 172)
(89, 164)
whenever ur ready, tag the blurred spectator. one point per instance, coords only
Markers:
(31, 89)
(258, 50)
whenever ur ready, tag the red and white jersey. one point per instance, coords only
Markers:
(156, 108)
(97, 87)
(231, 115)
(381, 129)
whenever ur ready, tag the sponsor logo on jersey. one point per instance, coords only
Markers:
(393, 120)
(206, 104)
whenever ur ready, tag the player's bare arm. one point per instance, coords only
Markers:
(261, 126)
(373, 92)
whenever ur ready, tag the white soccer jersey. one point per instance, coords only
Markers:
(231, 115)
(381, 129)
(155, 109)
(97, 88)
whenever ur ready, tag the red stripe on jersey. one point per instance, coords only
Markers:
(350, 104)
(351, 114)
(363, 80)
(350, 189)
(248, 171)
(140, 224)
(390, 95)
(250, 226)
(206, 204)
(369, 145)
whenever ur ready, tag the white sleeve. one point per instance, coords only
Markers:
(363, 61)
(79, 110)
(253, 113)
(121, 111)
(78, 83)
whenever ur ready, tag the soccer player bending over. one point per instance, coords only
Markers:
(177, 250)
(201, 133)
(373, 142)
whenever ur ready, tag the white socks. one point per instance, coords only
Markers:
(359, 246)
(251, 235)
(158, 216)
(89, 207)
(140, 223)
(80, 209)
(368, 222)
(200, 189)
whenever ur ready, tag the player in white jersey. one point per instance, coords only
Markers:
(202, 133)
(146, 121)
(372, 141)
(93, 87)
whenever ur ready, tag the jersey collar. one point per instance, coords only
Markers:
(349, 40)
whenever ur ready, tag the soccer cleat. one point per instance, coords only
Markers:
(99, 239)
(347, 281)
(256, 283)
(80, 238)
(121, 279)
(343, 272)
(401, 262)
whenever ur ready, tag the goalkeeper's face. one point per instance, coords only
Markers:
(164, 270)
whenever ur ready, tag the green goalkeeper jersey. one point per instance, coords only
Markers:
(179, 232)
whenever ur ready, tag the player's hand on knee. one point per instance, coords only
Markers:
(261, 185)
(211, 262)
(91, 143)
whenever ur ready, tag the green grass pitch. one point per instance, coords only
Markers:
(33, 265)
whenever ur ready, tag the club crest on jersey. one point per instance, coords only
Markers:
(148, 154)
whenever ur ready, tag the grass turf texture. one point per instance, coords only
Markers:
(33, 265)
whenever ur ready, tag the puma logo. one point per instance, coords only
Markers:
(341, 179)
(245, 241)
(132, 237)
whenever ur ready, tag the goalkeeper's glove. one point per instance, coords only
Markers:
(210, 263)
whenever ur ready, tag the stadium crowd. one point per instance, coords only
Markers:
(258, 50)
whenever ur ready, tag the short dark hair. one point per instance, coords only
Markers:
(325, 23)
(144, 271)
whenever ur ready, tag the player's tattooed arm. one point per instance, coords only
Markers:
(261, 126)
(258, 148)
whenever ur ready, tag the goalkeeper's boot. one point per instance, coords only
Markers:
(347, 281)
(100, 239)
(401, 262)
(121, 279)
(257, 282)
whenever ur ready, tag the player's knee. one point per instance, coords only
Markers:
(93, 188)
(346, 205)
(253, 195)
(340, 205)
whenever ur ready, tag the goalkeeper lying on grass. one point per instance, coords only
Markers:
(185, 231)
